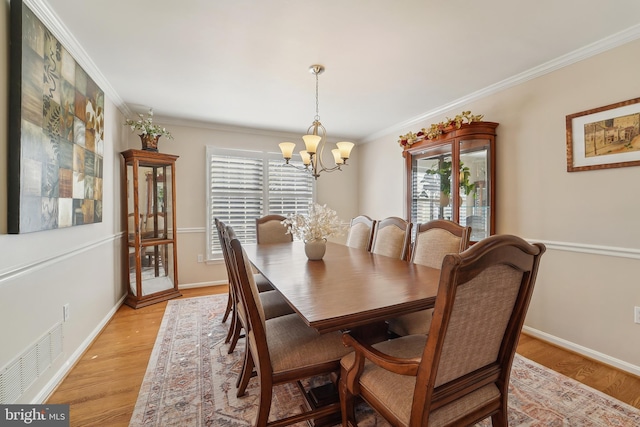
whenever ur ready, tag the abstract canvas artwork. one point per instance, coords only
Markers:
(56, 137)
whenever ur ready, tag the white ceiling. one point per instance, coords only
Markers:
(245, 62)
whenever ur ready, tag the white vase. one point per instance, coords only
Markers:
(315, 249)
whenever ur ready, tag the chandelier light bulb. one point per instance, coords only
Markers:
(306, 157)
(345, 148)
(337, 157)
(287, 149)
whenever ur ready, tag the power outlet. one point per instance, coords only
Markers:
(65, 312)
(200, 258)
(636, 314)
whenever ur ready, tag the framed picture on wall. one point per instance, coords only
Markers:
(56, 132)
(605, 137)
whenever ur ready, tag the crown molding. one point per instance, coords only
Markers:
(201, 124)
(49, 18)
(608, 43)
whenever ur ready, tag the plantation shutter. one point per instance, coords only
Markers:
(290, 190)
(245, 185)
(235, 194)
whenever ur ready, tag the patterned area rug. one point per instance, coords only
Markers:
(190, 381)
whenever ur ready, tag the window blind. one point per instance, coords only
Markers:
(245, 185)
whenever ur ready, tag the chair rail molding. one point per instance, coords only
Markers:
(19, 270)
(613, 251)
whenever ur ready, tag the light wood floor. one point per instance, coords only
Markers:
(102, 388)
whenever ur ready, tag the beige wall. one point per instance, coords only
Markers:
(588, 283)
(337, 189)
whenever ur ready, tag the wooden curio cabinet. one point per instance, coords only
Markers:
(152, 267)
(464, 194)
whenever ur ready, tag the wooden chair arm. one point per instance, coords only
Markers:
(364, 351)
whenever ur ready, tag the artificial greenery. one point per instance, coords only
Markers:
(443, 170)
(146, 126)
(438, 129)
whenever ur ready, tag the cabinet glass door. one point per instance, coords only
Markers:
(475, 209)
(152, 263)
(432, 182)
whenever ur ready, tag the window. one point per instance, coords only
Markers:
(245, 185)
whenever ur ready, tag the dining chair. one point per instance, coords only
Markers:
(230, 303)
(283, 349)
(432, 241)
(269, 229)
(391, 237)
(272, 301)
(436, 238)
(273, 305)
(360, 232)
(458, 374)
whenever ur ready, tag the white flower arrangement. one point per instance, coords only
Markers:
(146, 127)
(320, 223)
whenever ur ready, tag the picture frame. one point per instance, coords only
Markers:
(56, 132)
(605, 137)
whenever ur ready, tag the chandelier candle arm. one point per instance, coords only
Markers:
(315, 141)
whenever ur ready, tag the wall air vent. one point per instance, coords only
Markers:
(22, 372)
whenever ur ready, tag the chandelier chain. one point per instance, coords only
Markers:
(317, 118)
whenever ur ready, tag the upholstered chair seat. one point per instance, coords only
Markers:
(274, 304)
(294, 345)
(397, 390)
(262, 283)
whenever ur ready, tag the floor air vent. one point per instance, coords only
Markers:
(18, 375)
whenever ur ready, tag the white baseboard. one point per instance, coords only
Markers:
(46, 391)
(584, 351)
(202, 284)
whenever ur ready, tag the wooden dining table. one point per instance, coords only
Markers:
(348, 288)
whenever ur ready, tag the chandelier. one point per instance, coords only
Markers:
(315, 141)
